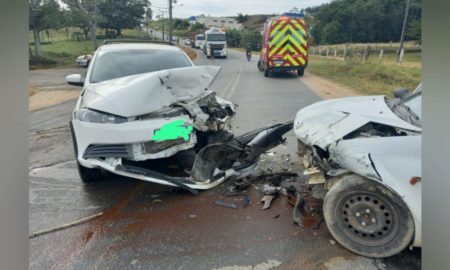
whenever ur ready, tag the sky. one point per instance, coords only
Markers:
(187, 8)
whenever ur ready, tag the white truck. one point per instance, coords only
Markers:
(215, 43)
(198, 41)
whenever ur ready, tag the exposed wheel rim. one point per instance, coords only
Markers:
(367, 218)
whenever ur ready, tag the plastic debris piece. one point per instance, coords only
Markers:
(267, 200)
(226, 204)
(277, 216)
(246, 201)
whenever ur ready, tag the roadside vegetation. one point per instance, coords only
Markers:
(369, 78)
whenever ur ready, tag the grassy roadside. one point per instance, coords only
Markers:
(190, 52)
(366, 78)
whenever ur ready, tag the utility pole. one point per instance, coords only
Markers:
(405, 20)
(162, 21)
(170, 20)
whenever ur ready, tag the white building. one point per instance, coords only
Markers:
(219, 22)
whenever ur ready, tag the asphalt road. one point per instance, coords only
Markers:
(147, 226)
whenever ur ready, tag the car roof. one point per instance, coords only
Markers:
(138, 46)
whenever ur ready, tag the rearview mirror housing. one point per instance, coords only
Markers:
(75, 79)
(401, 92)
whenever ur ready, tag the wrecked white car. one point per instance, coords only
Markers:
(146, 112)
(366, 152)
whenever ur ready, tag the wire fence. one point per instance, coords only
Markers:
(373, 52)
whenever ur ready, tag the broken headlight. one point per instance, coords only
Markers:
(92, 116)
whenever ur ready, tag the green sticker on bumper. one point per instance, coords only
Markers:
(172, 131)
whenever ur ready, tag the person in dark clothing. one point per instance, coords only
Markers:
(212, 52)
(248, 51)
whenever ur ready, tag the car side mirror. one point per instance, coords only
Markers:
(401, 93)
(75, 79)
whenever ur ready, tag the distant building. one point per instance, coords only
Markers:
(219, 22)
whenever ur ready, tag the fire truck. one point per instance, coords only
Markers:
(285, 44)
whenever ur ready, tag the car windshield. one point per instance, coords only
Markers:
(200, 38)
(113, 64)
(215, 37)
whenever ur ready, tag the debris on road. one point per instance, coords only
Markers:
(226, 204)
(267, 200)
(78, 222)
(276, 216)
(246, 201)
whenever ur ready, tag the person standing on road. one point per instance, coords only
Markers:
(212, 52)
(248, 51)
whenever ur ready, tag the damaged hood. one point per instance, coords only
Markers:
(148, 92)
(328, 121)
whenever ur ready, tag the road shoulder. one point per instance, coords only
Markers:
(327, 89)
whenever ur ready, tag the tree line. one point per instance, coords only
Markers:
(86, 14)
(363, 21)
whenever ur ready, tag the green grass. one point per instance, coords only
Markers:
(366, 78)
(58, 51)
(63, 53)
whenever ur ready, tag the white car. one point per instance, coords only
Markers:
(366, 152)
(145, 112)
(84, 60)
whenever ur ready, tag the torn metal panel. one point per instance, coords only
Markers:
(328, 121)
(149, 92)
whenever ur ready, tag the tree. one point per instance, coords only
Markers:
(198, 27)
(331, 33)
(43, 15)
(414, 31)
(77, 19)
(88, 9)
(122, 14)
(233, 37)
(242, 18)
(181, 24)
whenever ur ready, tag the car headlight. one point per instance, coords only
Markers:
(92, 116)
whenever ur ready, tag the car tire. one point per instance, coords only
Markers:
(300, 72)
(89, 175)
(367, 218)
(266, 73)
(260, 65)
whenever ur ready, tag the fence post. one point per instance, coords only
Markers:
(314, 51)
(400, 59)
(366, 53)
(328, 50)
(335, 52)
(381, 54)
(346, 53)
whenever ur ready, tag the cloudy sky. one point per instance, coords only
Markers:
(186, 8)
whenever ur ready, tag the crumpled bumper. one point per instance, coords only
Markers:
(213, 164)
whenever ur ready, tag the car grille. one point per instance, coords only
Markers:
(217, 46)
(106, 151)
(155, 147)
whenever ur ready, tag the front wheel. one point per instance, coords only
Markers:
(300, 72)
(367, 218)
(260, 65)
